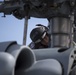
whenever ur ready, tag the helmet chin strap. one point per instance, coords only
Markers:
(43, 35)
(39, 40)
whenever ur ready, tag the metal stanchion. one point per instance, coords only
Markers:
(25, 30)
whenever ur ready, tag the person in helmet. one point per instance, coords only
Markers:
(40, 38)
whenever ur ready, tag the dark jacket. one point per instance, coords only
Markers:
(37, 46)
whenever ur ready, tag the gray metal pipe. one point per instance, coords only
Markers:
(61, 31)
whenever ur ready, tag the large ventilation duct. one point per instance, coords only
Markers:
(43, 67)
(7, 63)
(23, 56)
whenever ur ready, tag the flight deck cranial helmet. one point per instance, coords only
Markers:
(37, 34)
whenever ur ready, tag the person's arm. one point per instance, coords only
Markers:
(32, 45)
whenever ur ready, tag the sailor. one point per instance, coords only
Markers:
(40, 38)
